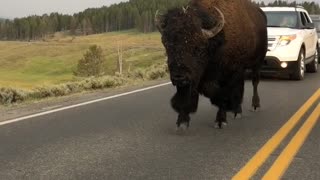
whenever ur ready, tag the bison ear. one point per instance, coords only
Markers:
(219, 22)
(159, 21)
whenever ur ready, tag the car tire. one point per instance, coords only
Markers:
(299, 67)
(313, 65)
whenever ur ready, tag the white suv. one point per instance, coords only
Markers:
(292, 42)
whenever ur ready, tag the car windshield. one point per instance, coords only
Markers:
(317, 25)
(281, 19)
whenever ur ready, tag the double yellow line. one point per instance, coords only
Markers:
(285, 158)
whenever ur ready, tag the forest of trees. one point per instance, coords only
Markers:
(138, 14)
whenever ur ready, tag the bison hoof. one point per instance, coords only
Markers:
(182, 127)
(237, 116)
(255, 109)
(220, 125)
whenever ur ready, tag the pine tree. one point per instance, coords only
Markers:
(91, 63)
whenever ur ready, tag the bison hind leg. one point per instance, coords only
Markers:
(221, 119)
(255, 83)
(238, 112)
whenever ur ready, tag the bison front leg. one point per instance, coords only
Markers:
(183, 121)
(184, 102)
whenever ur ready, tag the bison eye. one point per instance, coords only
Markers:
(196, 50)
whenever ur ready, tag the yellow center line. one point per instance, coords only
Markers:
(283, 161)
(261, 156)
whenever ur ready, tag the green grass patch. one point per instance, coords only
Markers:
(16, 95)
(28, 65)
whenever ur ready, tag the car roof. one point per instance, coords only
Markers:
(283, 9)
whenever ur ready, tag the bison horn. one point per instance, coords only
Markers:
(209, 33)
(185, 9)
(158, 21)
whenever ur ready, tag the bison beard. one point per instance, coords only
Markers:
(207, 54)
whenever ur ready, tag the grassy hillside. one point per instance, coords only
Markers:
(31, 64)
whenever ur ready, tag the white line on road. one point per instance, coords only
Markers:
(81, 104)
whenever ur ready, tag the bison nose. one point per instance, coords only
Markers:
(179, 80)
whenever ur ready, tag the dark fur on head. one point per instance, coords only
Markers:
(186, 47)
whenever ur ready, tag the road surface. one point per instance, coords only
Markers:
(134, 137)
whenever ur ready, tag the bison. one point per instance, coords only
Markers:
(210, 44)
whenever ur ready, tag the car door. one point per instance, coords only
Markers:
(309, 34)
(314, 35)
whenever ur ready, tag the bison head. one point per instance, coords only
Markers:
(185, 34)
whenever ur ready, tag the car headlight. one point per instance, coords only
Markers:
(285, 40)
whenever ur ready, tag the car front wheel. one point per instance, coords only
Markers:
(313, 65)
(299, 67)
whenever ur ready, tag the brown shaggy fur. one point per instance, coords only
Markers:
(242, 24)
(213, 67)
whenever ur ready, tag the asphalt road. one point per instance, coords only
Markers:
(134, 137)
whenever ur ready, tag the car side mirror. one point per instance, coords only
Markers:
(310, 25)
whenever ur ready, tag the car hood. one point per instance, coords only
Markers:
(276, 31)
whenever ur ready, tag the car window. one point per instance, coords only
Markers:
(281, 19)
(303, 19)
(307, 18)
